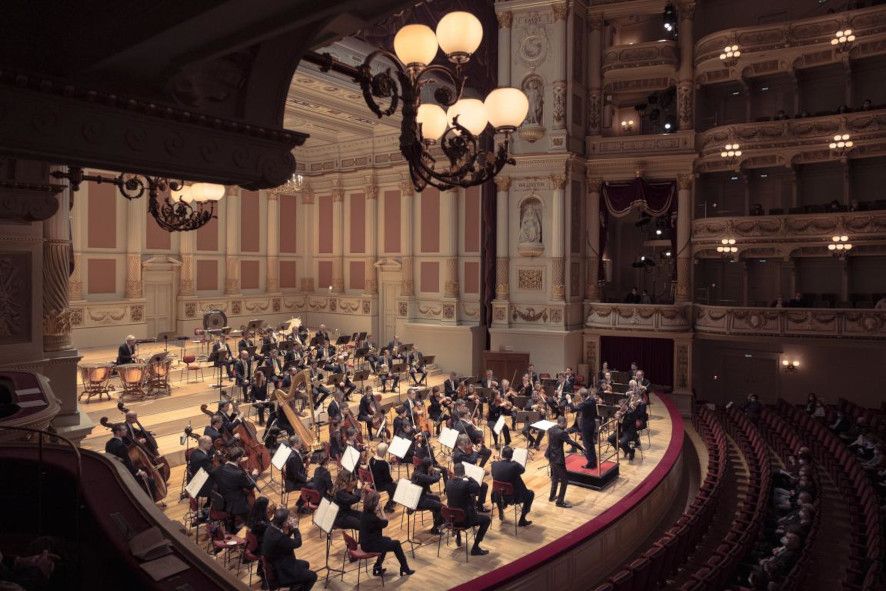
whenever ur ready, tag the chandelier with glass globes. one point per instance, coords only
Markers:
(455, 125)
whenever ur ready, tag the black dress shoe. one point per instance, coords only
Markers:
(458, 540)
(378, 571)
(478, 551)
(552, 499)
(501, 512)
(406, 571)
(524, 523)
(435, 531)
(564, 504)
(590, 466)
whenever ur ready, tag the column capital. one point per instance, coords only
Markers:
(560, 10)
(338, 192)
(273, 196)
(232, 191)
(596, 22)
(503, 182)
(558, 181)
(685, 180)
(595, 183)
(307, 196)
(371, 191)
(686, 9)
(406, 187)
(505, 19)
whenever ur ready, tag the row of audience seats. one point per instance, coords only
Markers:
(871, 205)
(859, 496)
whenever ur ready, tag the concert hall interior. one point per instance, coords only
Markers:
(443, 294)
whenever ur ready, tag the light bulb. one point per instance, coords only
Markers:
(415, 44)
(433, 121)
(459, 34)
(506, 108)
(186, 194)
(207, 191)
(471, 115)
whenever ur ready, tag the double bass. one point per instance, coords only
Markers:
(141, 460)
(258, 458)
(151, 449)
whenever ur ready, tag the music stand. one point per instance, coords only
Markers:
(324, 518)
(361, 376)
(343, 340)
(400, 368)
(361, 336)
(409, 495)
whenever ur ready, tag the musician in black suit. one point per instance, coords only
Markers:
(372, 524)
(333, 411)
(367, 409)
(214, 429)
(321, 392)
(464, 426)
(126, 353)
(507, 470)
(321, 481)
(533, 375)
(135, 434)
(424, 450)
(642, 381)
(280, 539)
(450, 386)
(201, 457)
(588, 410)
(557, 436)
(243, 373)
(232, 483)
(294, 474)
(346, 496)
(464, 452)
(416, 362)
(221, 356)
(424, 476)
(381, 474)
(116, 447)
(258, 394)
(462, 493)
(387, 372)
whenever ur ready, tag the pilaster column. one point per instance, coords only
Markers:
(56, 267)
(338, 239)
(793, 279)
(449, 248)
(845, 272)
(558, 88)
(502, 241)
(795, 194)
(685, 85)
(595, 100)
(308, 223)
(847, 180)
(232, 240)
(505, 20)
(408, 226)
(592, 288)
(272, 230)
(77, 216)
(684, 226)
(558, 235)
(745, 283)
(371, 285)
(187, 247)
(135, 230)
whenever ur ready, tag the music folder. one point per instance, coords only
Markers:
(280, 456)
(499, 425)
(521, 455)
(542, 425)
(399, 447)
(407, 494)
(196, 483)
(448, 437)
(474, 472)
(350, 458)
(325, 514)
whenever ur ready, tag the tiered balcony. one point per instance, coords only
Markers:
(642, 317)
(785, 47)
(640, 67)
(791, 141)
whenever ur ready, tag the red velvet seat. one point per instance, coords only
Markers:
(353, 553)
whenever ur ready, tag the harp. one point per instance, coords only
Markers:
(286, 402)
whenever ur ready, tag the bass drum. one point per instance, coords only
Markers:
(214, 320)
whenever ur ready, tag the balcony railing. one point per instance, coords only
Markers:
(791, 322)
(681, 141)
(814, 226)
(784, 47)
(791, 141)
(739, 321)
(641, 55)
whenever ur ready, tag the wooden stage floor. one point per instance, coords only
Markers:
(167, 417)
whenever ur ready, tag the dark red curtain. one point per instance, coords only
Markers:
(655, 198)
(654, 356)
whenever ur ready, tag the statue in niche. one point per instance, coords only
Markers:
(530, 237)
(532, 128)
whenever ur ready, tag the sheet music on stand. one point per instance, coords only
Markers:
(350, 459)
(499, 425)
(399, 447)
(521, 455)
(543, 425)
(448, 437)
(474, 472)
(196, 483)
(280, 456)
(407, 494)
(325, 514)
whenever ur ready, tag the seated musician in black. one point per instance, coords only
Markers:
(116, 447)
(404, 428)
(221, 356)
(475, 436)
(280, 539)
(462, 493)
(424, 476)
(333, 411)
(464, 452)
(201, 457)
(321, 481)
(214, 429)
(381, 474)
(229, 417)
(345, 496)
(386, 371)
(416, 362)
(372, 524)
(126, 351)
(232, 483)
(450, 386)
(294, 474)
(134, 433)
(321, 392)
(507, 470)
(423, 450)
(367, 409)
(258, 394)
(627, 433)
(243, 373)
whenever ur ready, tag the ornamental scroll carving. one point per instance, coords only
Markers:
(529, 314)
(530, 279)
(15, 297)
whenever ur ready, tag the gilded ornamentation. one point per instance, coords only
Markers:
(275, 304)
(682, 366)
(591, 354)
(76, 316)
(503, 183)
(556, 315)
(505, 19)
(448, 311)
(367, 306)
(403, 309)
(190, 310)
(685, 93)
(236, 307)
(530, 279)
(559, 92)
(595, 107)
(136, 313)
(558, 280)
(534, 46)
(560, 10)
(529, 314)
(15, 297)
(502, 281)
(501, 314)
(333, 304)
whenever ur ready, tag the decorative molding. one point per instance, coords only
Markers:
(791, 322)
(503, 183)
(769, 228)
(650, 317)
(530, 279)
(505, 18)
(16, 297)
(528, 314)
(655, 57)
(651, 145)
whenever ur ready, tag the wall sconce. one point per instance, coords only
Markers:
(843, 39)
(727, 248)
(841, 144)
(627, 125)
(730, 55)
(790, 365)
(839, 246)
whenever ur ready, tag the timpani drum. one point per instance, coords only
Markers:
(95, 378)
(158, 375)
(132, 375)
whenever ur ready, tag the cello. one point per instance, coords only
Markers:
(141, 460)
(151, 449)
(258, 458)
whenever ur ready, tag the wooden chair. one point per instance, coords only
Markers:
(309, 500)
(454, 523)
(506, 490)
(191, 365)
(353, 553)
